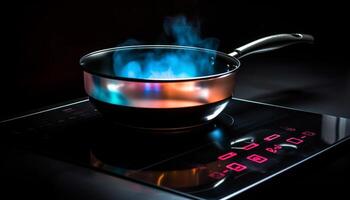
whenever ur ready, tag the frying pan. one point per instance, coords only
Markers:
(170, 103)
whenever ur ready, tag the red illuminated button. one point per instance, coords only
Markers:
(227, 156)
(308, 133)
(272, 137)
(216, 175)
(250, 146)
(257, 158)
(275, 148)
(271, 150)
(294, 140)
(236, 167)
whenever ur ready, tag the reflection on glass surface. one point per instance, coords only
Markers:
(218, 161)
(237, 156)
(179, 178)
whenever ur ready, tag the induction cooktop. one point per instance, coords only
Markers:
(246, 145)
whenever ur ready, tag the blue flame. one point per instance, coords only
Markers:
(169, 64)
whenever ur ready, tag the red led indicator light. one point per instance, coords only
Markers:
(216, 175)
(275, 148)
(308, 133)
(236, 167)
(257, 158)
(290, 129)
(271, 150)
(272, 137)
(227, 156)
(294, 140)
(250, 146)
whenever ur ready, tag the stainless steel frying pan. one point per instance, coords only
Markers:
(172, 103)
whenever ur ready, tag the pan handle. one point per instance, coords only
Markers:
(270, 43)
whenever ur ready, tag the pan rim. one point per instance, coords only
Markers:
(132, 47)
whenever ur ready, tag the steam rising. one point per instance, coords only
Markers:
(168, 64)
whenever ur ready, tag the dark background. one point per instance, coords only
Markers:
(42, 44)
(44, 41)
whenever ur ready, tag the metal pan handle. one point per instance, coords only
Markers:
(270, 43)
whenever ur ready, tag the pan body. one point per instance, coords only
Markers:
(164, 103)
(161, 119)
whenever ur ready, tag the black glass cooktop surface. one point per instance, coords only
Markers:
(246, 145)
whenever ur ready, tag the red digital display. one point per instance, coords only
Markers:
(294, 140)
(227, 156)
(216, 175)
(274, 149)
(250, 146)
(308, 133)
(236, 167)
(257, 158)
(272, 137)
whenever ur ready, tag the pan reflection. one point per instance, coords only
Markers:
(186, 178)
(149, 158)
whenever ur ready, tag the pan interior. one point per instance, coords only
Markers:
(158, 63)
